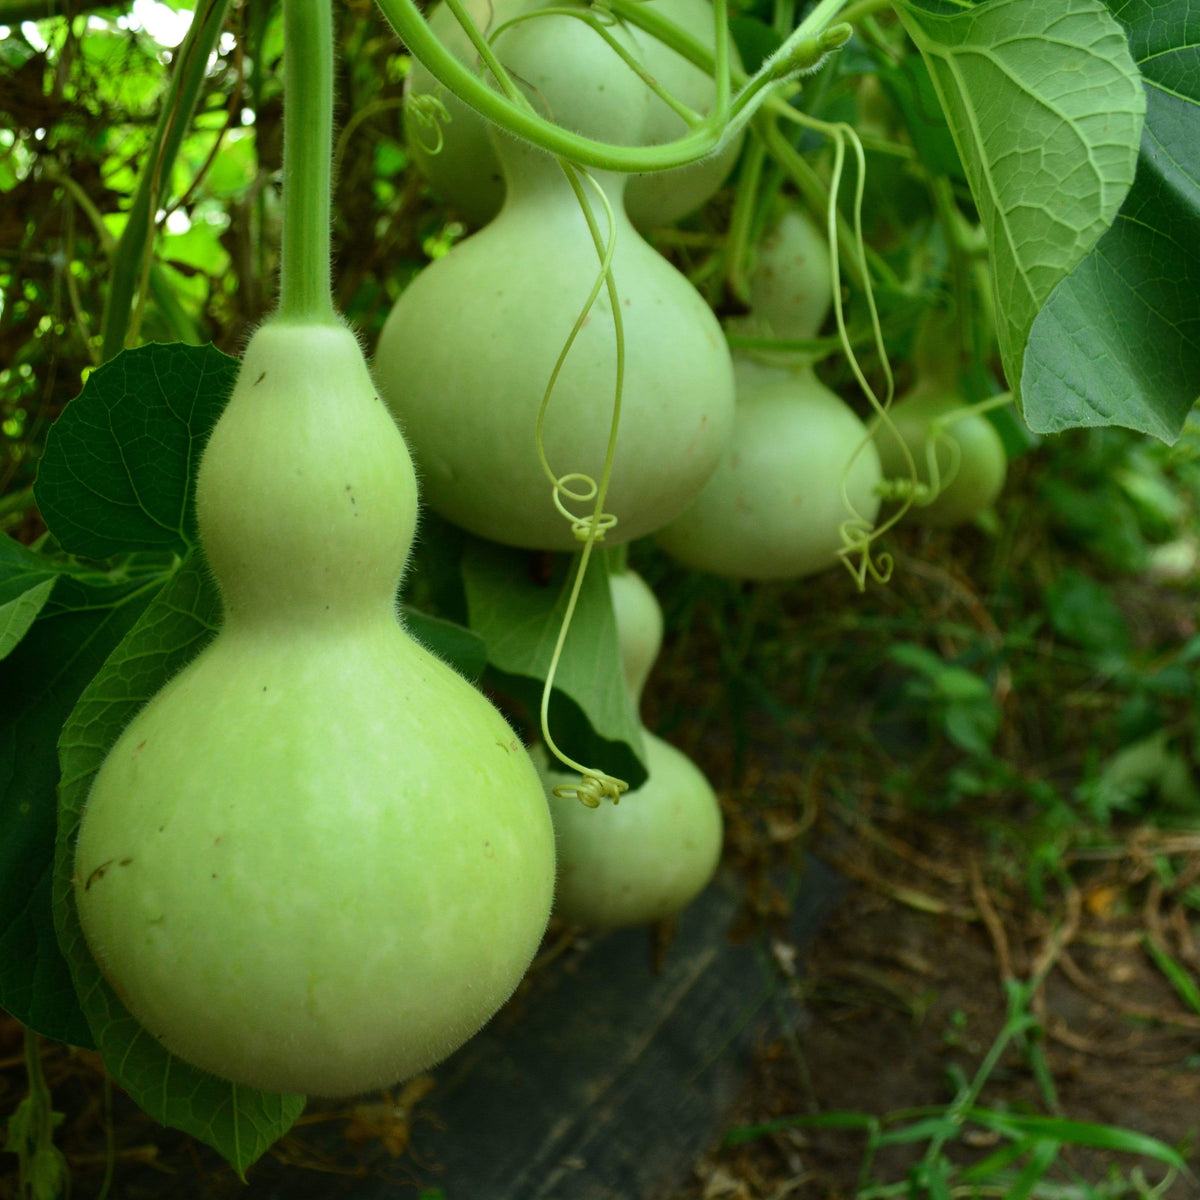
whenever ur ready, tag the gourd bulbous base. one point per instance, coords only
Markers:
(643, 859)
(466, 354)
(774, 508)
(315, 864)
(972, 470)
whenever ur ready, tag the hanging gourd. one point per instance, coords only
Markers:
(467, 353)
(454, 152)
(650, 855)
(317, 860)
(959, 457)
(776, 506)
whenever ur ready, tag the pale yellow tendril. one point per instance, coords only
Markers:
(595, 785)
(428, 113)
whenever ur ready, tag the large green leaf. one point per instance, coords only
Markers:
(40, 682)
(518, 616)
(239, 1122)
(1118, 341)
(26, 581)
(120, 463)
(1046, 107)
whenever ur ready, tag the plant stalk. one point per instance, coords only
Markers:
(134, 250)
(305, 294)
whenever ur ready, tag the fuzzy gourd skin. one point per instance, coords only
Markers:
(469, 347)
(773, 509)
(466, 171)
(647, 857)
(317, 860)
(983, 461)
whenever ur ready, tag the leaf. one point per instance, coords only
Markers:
(911, 89)
(26, 581)
(591, 716)
(1046, 107)
(462, 648)
(1081, 1133)
(40, 682)
(120, 463)
(1118, 341)
(239, 1122)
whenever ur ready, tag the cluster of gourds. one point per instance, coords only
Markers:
(318, 860)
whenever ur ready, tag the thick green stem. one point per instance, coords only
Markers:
(305, 295)
(130, 264)
(406, 20)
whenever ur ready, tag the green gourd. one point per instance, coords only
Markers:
(467, 352)
(317, 860)
(774, 508)
(649, 856)
(461, 165)
(971, 459)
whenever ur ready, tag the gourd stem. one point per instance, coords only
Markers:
(405, 18)
(305, 294)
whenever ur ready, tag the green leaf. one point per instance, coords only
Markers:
(40, 681)
(1082, 1133)
(26, 581)
(120, 463)
(911, 89)
(1046, 107)
(1041, 1159)
(1083, 611)
(1118, 341)
(518, 616)
(239, 1122)
(755, 40)
(462, 648)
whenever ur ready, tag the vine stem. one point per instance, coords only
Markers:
(704, 139)
(305, 293)
(133, 258)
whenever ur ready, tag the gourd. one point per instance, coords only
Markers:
(663, 197)
(466, 353)
(649, 856)
(971, 471)
(774, 508)
(461, 165)
(317, 860)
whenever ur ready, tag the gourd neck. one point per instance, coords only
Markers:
(533, 175)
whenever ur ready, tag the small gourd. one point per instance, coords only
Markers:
(461, 165)
(971, 471)
(774, 508)
(317, 860)
(969, 453)
(466, 354)
(647, 857)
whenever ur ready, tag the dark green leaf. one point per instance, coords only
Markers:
(26, 581)
(40, 682)
(462, 648)
(1084, 612)
(1083, 1133)
(755, 40)
(1118, 341)
(239, 1122)
(120, 463)
(911, 89)
(518, 616)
